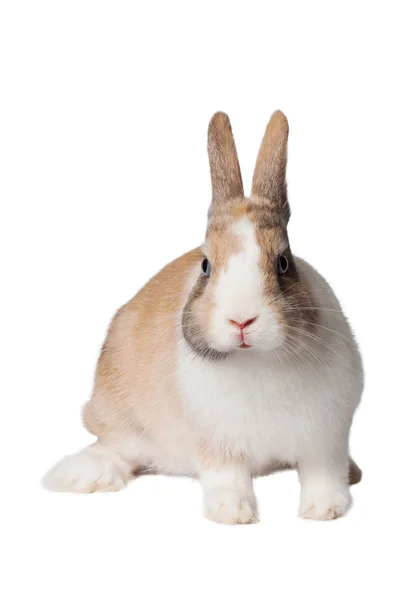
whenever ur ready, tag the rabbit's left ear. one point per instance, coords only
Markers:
(269, 179)
(226, 177)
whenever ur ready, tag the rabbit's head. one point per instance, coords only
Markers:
(248, 295)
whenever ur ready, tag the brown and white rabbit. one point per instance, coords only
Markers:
(234, 360)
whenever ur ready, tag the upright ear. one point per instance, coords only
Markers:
(269, 179)
(226, 178)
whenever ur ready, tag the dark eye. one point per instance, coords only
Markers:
(206, 267)
(283, 264)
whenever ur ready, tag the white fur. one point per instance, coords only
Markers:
(229, 495)
(94, 469)
(325, 495)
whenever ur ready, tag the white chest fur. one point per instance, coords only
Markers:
(266, 412)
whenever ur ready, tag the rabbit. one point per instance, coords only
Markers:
(233, 361)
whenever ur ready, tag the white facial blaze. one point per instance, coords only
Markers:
(239, 296)
(239, 289)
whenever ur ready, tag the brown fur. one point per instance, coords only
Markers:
(269, 179)
(355, 473)
(139, 354)
(226, 177)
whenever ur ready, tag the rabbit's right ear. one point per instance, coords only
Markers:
(226, 178)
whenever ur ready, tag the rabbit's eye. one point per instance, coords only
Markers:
(283, 264)
(206, 267)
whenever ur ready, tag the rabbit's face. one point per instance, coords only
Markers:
(248, 295)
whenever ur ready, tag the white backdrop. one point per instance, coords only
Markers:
(104, 179)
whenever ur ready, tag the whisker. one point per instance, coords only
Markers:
(317, 355)
(297, 308)
(318, 339)
(313, 337)
(300, 359)
(323, 327)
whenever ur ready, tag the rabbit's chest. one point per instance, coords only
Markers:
(261, 412)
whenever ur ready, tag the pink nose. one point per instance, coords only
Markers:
(243, 325)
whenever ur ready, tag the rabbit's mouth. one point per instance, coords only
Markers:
(244, 346)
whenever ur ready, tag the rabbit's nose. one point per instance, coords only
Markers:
(243, 324)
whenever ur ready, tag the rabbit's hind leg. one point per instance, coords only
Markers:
(101, 467)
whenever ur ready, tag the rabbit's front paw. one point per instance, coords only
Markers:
(230, 507)
(324, 505)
